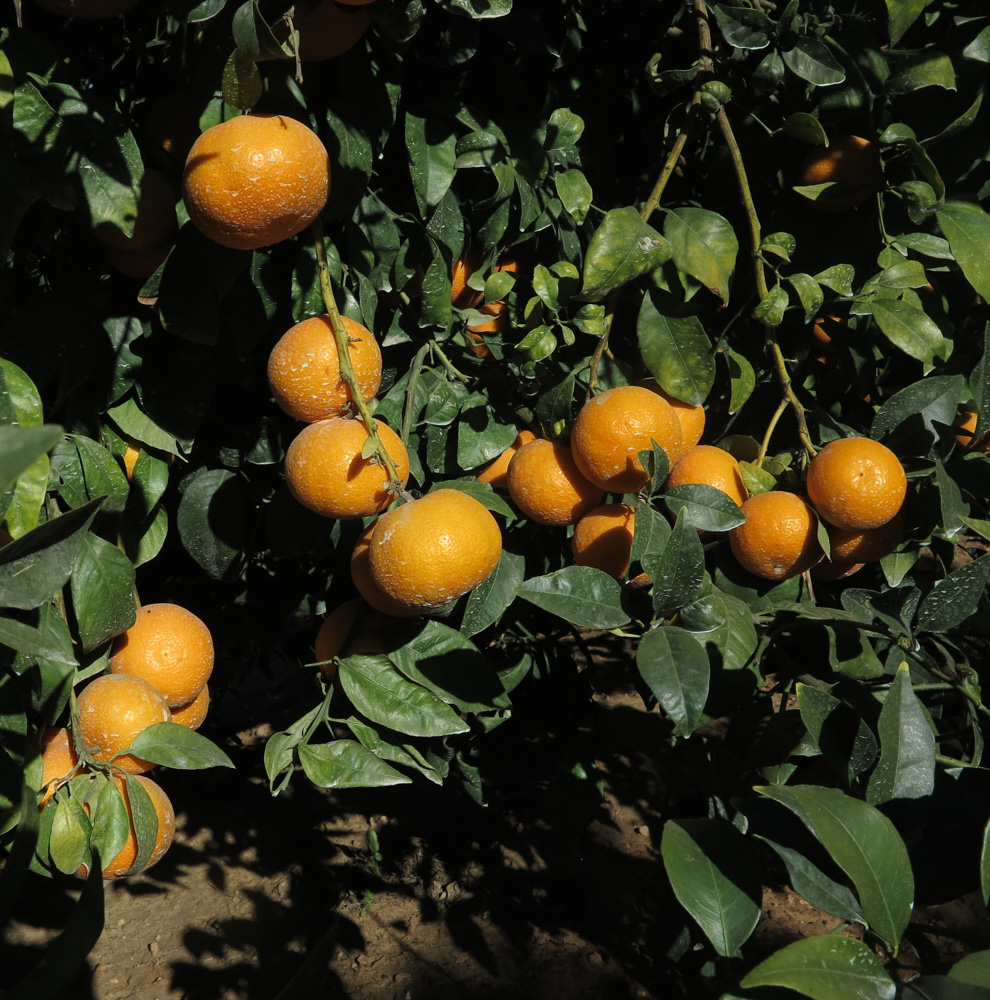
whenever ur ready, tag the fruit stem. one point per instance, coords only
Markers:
(344, 355)
(448, 364)
(765, 443)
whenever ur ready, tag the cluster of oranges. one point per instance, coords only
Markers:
(857, 486)
(158, 672)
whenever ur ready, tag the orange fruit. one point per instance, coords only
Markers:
(710, 466)
(851, 550)
(820, 328)
(462, 296)
(435, 549)
(193, 714)
(547, 486)
(779, 538)
(365, 583)
(155, 225)
(304, 368)
(692, 418)
(965, 427)
(352, 628)
(496, 474)
(121, 865)
(113, 709)
(499, 323)
(325, 472)
(140, 264)
(130, 457)
(87, 9)
(170, 648)
(58, 760)
(330, 31)
(613, 427)
(850, 161)
(603, 538)
(256, 180)
(856, 483)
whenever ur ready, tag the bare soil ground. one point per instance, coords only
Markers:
(555, 890)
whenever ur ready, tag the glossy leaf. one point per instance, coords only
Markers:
(865, 845)
(967, 228)
(704, 245)
(347, 764)
(935, 399)
(910, 329)
(102, 588)
(210, 520)
(492, 596)
(676, 670)
(384, 696)
(677, 571)
(677, 352)
(906, 769)
(579, 594)
(826, 967)
(973, 969)
(811, 60)
(714, 878)
(175, 745)
(20, 447)
(432, 152)
(955, 597)
(729, 635)
(623, 248)
(705, 507)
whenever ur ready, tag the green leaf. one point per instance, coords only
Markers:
(967, 228)
(928, 68)
(211, 520)
(175, 745)
(810, 882)
(744, 27)
(705, 507)
(704, 245)
(714, 878)
(954, 598)
(934, 987)
(651, 532)
(35, 567)
(622, 248)
(392, 746)
(910, 329)
(479, 9)
(563, 129)
(70, 835)
(241, 81)
(809, 292)
(432, 149)
(111, 822)
(906, 769)
(86, 470)
(347, 764)
(574, 192)
(678, 571)
(901, 14)
(973, 969)
(677, 351)
(492, 596)
(102, 588)
(384, 696)
(935, 398)
(865, 845)
(253, 37)
(676, 670)
(950, 500)
(451, 667)
(728, 633)
(20, 447)
(826, 967)
(808, 129)
(136, 424)
(580, 595)
(771, 308)
(742, 378)
(811, 60)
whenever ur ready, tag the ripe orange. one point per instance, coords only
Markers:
(462, 296)
(779, 537)
(496, 474)
(707, 465)
(965, 427)
(692, 418)
(170, 648)
(850, 161)
(547, 486)
(499, 323)
(856, 483)
(90, 10)
(120, 865)
(852, 550)
(140, 264)
(193, 714)
(58, 760)
(613, 427)
(365, 583)
(304, 368)
(325, 472)
(435, 549)
(330, 31)
(130, 457)
(350, 629)
(256, 180)
(603, 538)
(821, 327)
(113, 709)
(155, 225)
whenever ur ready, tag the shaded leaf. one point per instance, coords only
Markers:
(676, 670)
(581, 595)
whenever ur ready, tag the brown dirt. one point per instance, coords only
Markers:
(555, 890)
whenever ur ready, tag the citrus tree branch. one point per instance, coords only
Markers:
(344, 354)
